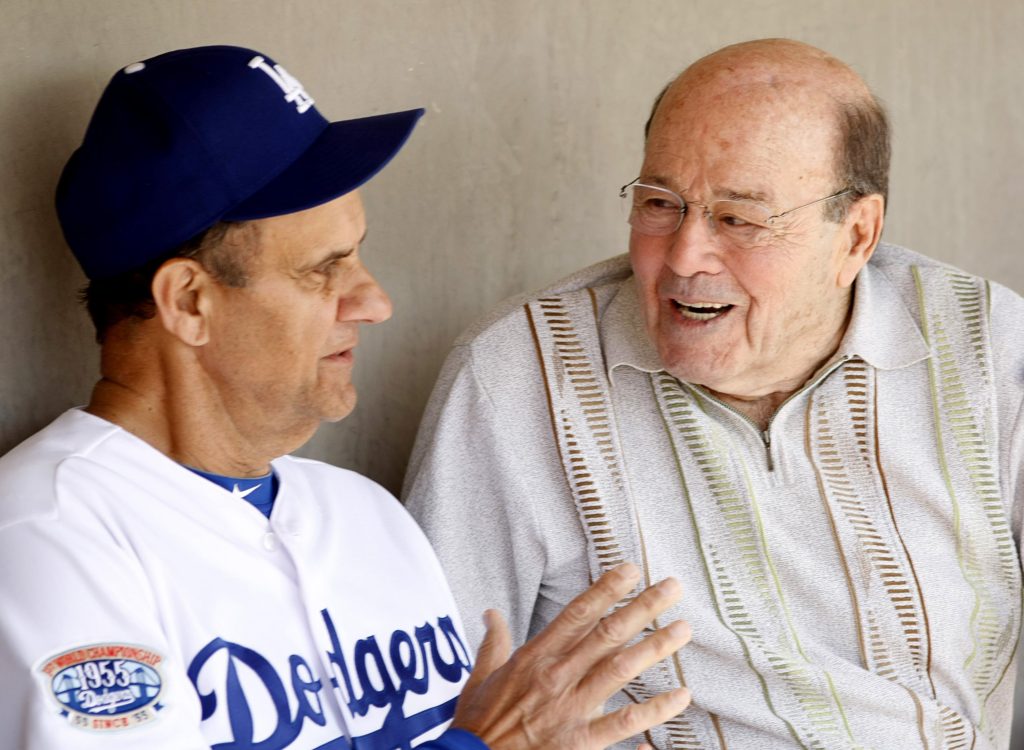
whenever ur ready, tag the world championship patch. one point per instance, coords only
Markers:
(105, 686)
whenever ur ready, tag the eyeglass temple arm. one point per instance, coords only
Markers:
(841, 193)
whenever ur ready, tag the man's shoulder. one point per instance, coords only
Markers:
(898, 260)
(28, 473)
(507, 323)
(336, 488)
(321, 474)
(903, 268)
(900, 263)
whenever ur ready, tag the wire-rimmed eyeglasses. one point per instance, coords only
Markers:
(658, 211)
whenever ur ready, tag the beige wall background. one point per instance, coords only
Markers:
(535, 112)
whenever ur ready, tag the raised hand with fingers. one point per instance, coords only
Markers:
(549, 693)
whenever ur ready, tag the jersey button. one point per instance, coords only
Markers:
(269, 542)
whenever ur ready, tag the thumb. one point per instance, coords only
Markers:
(493, 651)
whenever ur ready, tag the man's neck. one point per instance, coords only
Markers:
(178, 432)
(171, 405)
(758, 410)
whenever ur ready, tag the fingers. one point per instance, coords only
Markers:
(638, 717)
(620, 627)
(610, 634)
(494, 650)
(581, 614)
(618, 669)
(547, 693)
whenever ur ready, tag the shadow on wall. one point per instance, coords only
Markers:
(47, 349)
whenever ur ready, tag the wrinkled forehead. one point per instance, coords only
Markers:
(776, 128)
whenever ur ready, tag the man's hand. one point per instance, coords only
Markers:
(551, 692)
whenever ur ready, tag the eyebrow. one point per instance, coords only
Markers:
(335, 254)
(755, 196)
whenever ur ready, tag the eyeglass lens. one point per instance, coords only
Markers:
(658, 211)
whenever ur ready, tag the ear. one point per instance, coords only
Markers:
(181, 290)
(863, 228)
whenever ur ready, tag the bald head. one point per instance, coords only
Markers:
(776, 62)
(794, 87)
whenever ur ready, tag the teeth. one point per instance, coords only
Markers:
(707, 306)
(701, 310)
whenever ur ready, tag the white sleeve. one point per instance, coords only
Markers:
(473, 488)
(84, 661)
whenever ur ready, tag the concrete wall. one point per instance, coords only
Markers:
(535, 115)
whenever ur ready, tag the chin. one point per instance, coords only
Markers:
(336, 417)
(338, 411)
(694, 368)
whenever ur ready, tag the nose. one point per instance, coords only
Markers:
(366, 302)
(694, 248)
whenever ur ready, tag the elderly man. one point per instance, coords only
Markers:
(171, 579)
(820, 435)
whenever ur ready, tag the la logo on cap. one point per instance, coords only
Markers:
(293, 90)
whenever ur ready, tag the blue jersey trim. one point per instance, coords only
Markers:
(259, 492)
(452, 739)
(455, 739)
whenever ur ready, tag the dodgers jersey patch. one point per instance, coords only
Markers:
(105, 686)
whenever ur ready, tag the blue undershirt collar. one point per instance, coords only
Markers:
(257, 491)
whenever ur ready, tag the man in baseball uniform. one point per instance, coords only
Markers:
(172, 579)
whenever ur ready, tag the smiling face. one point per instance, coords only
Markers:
(281, 347)
(745, 319)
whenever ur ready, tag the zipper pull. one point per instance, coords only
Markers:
(767, 437)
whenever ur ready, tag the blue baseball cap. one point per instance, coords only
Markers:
(196, 136)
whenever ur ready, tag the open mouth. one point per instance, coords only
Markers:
(701, 310)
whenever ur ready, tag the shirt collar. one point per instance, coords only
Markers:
(882, 331)
(624, 338)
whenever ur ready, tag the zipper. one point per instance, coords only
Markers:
(766, 434)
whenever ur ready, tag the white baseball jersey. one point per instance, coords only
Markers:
(144, 606)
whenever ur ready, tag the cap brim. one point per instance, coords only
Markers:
(342, 158)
